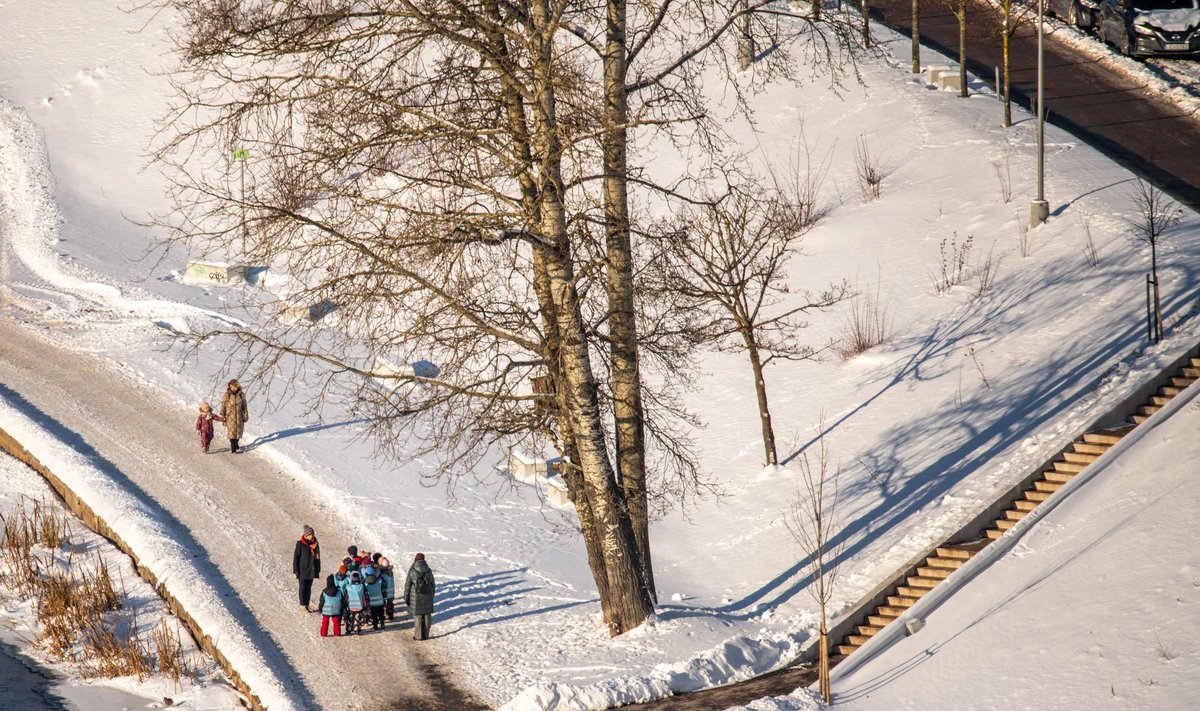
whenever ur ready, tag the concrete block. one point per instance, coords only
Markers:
(933, 73)
(214, 273)
(525, 466)
(556, 492)
(295, 313)
(949, 81)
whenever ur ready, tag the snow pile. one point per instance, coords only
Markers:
(156, 546)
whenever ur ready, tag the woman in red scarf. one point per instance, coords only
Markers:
(306, 564)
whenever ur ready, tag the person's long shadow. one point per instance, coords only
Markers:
(256, 635)
(297, 431)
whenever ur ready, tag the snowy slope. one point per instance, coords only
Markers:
(971, 393)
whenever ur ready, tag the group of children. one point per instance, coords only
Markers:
(362, 590)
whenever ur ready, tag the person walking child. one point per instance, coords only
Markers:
(204, 425)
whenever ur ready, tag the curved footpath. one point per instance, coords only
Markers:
(240, 515)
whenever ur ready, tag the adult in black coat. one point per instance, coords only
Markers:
(306, 564)
(418, 595)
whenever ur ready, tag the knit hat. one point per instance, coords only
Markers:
(308, 531)
(352, 550)
(342, 570)
(419, 556)
(354, 576)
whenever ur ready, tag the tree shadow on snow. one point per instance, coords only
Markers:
(917, 462)
(488, 593)
(261, 639)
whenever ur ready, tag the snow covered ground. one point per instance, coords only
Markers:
(210, 690)
(973, 391)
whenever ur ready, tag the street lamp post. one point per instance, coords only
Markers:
(1039, 209)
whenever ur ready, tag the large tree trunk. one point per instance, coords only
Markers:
(760, 388)
(622, 323)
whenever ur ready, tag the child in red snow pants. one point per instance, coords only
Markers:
(337, 625)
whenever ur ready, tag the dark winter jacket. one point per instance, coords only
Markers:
(306, 563)
(419, 588)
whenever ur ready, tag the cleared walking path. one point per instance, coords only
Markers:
(240, 515)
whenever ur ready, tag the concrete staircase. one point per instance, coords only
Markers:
(949, 557)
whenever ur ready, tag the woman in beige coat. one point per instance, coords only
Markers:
(234, 413)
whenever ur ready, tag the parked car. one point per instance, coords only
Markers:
(1080, 13)
(1141, 28)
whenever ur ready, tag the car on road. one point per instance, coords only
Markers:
(1078, 13)
(1142, 28)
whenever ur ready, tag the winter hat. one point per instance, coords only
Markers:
(369, 571)
(354, 577)
(329, 582)
(419, 556)
(352, 550)
(370, 578)
(375, 557)
(308, 531)
(205, 407)
(342, 570)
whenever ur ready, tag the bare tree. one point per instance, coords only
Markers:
(730, 259)
(958, 8)
(1012, 19)
(1156, 213)
(813, 521)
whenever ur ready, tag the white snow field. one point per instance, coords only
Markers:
(19, 486)
(972, 392)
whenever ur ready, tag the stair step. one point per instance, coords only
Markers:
(890, 610)
(1137, 419)
(1057, 477)
(1047, 486)
(909, 591)
(1160, 399)
(1169, 391)
(899, 603)
(928, 571)
(1026, 505)
(1182, 382)
(846, 649)
(869, 630)
(1106, 437)
(1089, 448)
(920, 581)
(1014, 514)
(879, 620)
(1189, 372)
(994, 533)
(857, 639)
(1004, 524)
(1069, 467)
(1037, 496)
(1080, 457)
(1195, 362)
(1148, 409)
(948, 564)
(955, 553)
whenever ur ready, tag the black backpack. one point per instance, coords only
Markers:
(424, 584)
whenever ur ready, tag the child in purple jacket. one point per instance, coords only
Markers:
(204, 425)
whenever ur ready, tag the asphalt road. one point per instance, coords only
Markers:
(1127, 120)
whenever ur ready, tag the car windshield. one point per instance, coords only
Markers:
(1164, 4)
